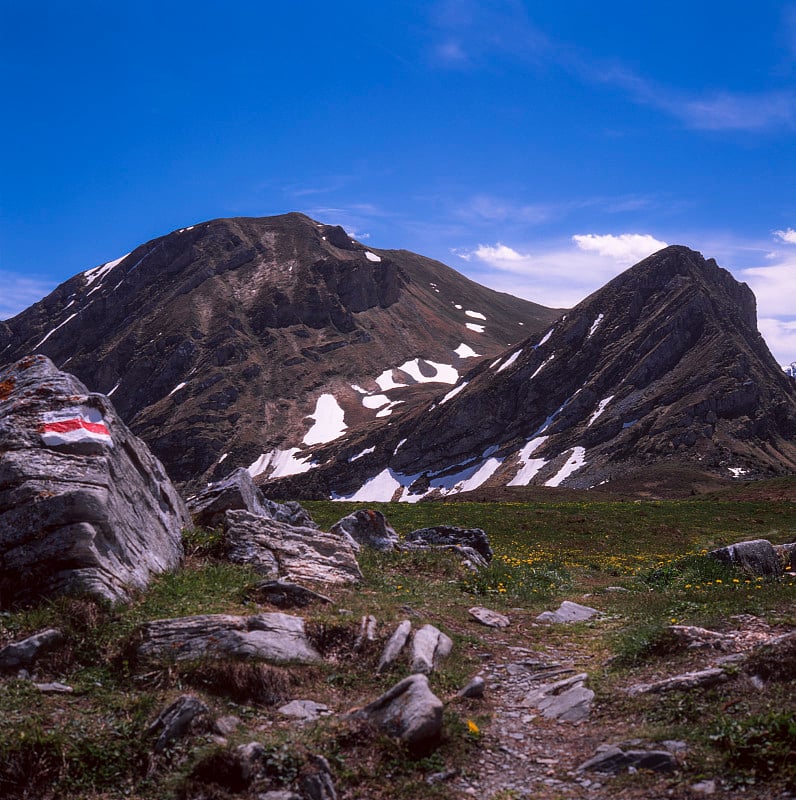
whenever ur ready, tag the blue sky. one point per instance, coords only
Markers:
(538, 147)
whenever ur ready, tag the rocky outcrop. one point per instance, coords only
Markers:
(237, 492)
(277, 638)
(756, 557)
(277, 549)
(451, 535)
(367, 528)
(84, 506)
(22, 654)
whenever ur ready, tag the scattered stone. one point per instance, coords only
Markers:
(489, 618)
(394, 645)
(21, 654)
(441, 777)
(704, 787)
(250, 758)
(85, 507)
(675, 745)
(568, 612)
(226, 725)
(273, 637)
(367, 632)
(409, 711)
(275, 548)
(757, 557)
(475, 688)
(611, 760)
(284, 594)
(318, 785)
(367, 528)
(451, 535)
(176, 720)
(429, 647)
(688, 680)
(567, 700)
(279, 794)
(305, 710)
(54, 688)
(615, 589)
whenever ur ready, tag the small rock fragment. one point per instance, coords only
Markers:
(284, 594)
(429, 647)
(23, 653)
(318, 785)
(176, 720)
(395, 644)
(305, 710)
(568, 612)
(54, 688)
(475, 688)
(489, 618)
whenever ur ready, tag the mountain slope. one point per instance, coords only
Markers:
(232, 342)
(662, 365)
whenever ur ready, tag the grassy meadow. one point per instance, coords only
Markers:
(93, 743)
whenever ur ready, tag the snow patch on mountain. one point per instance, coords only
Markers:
(363, 453)
(544, 339)
(465, 351)
(471, 326)
(542, 366)
(98, 273)
(329, 421)
(575, 461)
(509, 361)
(176, 389)
(372, 256)
(475, 315)
(47, 336)
(595, 325)
(529, 466)
(453, 392)
(281, 462)
(600, 409)
(375, 401)
(378, 489)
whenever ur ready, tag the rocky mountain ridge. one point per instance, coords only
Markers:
(236, 342)
(662, 365)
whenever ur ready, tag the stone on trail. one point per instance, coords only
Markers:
(489, 618)
(429, 647)
(567, 700)
(395, 645)
(304, 710)
(568, 612)
(274, 637)
(452, 535)
(85, 508)
(22, 654)
(611, 760)
(688, 680)
(757, 557)
(475, 688)
(367, 528)
(281, 550)
(410, 711)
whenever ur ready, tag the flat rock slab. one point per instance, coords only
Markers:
(85, 508)
(287, 551)
(22, 654)
(305, 710)
(611, 760)
(284, 594)
(451, 535)
(489, 618)
(277, 638)
(688, 680)
(568, 612)
(410, 711)
(429, 647)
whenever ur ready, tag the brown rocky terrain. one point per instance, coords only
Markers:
(228, 343)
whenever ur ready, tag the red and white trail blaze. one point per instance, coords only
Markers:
(74, 425)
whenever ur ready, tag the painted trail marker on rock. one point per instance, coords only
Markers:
(74, 425)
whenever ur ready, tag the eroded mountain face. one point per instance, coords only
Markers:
(662, 365)
(242, 342)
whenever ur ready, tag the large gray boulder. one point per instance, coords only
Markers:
(409, 711)
(237, 492)
(287, 551)
(756, 557)
(275, 637)
(84, 506)
(367, 528)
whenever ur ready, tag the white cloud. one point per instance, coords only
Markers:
(780, 336)
(559, 276)
(628, 248)
(788, 236)
(19, 292)
(774, 286)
